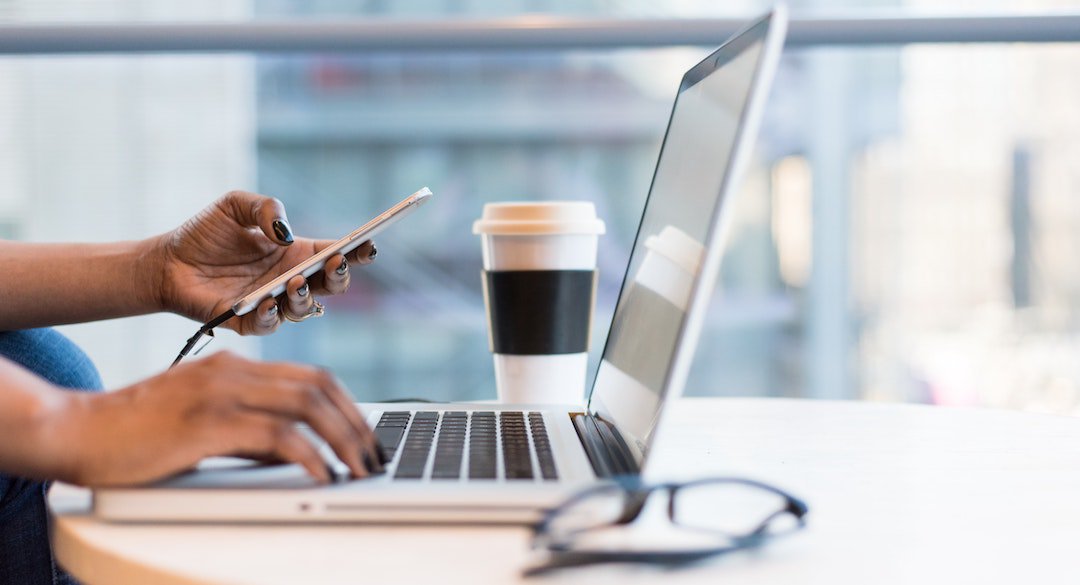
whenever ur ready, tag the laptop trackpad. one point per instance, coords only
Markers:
(235, 473)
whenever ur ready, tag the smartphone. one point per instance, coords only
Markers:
(343, 246)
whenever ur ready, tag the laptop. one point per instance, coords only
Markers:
(473, 462)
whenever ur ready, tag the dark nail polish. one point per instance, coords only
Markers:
(372, 465)
(282, 231)
(303, 290)
(341, 270)
(374, 253)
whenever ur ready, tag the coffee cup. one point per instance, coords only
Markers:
(539, 283)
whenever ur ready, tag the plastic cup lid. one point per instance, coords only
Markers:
(539, 218)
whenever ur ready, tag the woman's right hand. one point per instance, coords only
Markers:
(221, 405)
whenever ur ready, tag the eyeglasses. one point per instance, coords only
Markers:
(706, 517)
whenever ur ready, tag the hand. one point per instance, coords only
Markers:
(235, 245)
(222, 405)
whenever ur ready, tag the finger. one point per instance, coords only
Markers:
(336, 275)
(320, 284)
(264, 320)
(300, 298)
(266, 213)
(268, 436)
(343, 401)
(306, 401)
(364, 254)
(291, 445)
(339, 397)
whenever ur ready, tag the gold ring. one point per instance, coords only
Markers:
(317, 310)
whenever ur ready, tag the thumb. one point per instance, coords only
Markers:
(268, 213)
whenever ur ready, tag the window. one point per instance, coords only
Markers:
(906, 233)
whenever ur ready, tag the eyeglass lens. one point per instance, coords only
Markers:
(733, 509)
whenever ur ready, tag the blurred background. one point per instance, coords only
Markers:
(908, 232)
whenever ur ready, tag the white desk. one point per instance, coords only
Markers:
(897, 494)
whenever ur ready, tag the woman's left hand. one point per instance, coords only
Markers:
(235, 245)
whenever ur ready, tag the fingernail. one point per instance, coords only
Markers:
(272, 311)
(343, 268)
(302, 291)
(372, 465)
(282, 231)
(374, 252)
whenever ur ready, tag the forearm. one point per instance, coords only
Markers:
(55, 284)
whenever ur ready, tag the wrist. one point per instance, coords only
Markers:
(57, 432)
(85, 444)
(151, 274)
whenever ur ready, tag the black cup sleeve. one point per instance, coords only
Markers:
(539, 312)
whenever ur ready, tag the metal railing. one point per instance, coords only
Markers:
(529, 32)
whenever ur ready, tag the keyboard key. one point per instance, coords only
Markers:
(442, 438)
(414, 452)
(482, 450)
(517, 463)
(389, 437)
(542, 444)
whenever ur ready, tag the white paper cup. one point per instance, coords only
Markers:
(539, 291)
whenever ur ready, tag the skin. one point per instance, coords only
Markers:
(221, 405)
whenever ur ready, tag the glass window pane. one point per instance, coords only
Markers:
(905, 234)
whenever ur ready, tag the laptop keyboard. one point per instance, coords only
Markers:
(467, 445)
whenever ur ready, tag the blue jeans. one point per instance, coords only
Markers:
(25, 555)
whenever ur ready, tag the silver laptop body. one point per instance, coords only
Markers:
(474, 462)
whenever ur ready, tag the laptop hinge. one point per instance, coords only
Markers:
(604, 447)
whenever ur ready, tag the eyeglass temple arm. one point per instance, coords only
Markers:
(571, 559)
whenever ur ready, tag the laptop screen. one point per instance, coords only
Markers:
(649, 330)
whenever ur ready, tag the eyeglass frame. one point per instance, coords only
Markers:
(637, 493)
